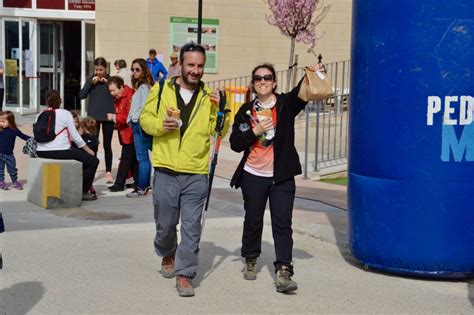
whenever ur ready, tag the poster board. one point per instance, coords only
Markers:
(184, 30)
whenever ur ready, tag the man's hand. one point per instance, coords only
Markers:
(170, 124)
(217, 96)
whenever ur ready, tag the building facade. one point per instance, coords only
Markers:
(51, 44)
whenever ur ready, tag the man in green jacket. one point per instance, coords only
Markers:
(181, 126)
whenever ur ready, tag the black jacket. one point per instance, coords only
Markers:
(100, 101)
(286, 160)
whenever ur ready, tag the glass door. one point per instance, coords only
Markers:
(28, 66)
(51, 61)
(88, 55)
(20, 65)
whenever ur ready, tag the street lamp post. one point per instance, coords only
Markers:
(199, 30)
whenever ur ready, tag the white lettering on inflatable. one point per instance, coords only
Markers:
(457, 145)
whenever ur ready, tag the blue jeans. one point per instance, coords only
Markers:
(142, 143)
(10, 161)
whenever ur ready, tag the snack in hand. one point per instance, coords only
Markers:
(173, 112)
(264, 114)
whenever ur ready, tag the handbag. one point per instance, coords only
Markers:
(316, 86)
(30, 148)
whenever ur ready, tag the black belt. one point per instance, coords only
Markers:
(170, 172)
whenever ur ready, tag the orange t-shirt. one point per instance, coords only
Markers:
(260, 160)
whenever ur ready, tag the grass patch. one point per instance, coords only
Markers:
(336, 181)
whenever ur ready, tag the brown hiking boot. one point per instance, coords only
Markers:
(184, 286)
(250, 272)
(284, 283)
(167, 266)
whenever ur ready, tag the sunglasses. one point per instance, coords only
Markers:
(135, 69)
(258, 78)
(193, 47)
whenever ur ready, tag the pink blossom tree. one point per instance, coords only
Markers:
(297, 20)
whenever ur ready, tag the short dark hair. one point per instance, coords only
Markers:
(120, 63)
(152, 51)
(118, 81)
(191, 47)
(53, 99)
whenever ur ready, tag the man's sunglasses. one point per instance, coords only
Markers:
(135, 69)
(258, 78)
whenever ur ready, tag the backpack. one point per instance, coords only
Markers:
(44, 127)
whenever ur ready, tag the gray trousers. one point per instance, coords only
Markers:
(175, 195)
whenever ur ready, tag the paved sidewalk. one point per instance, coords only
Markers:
(98, 259)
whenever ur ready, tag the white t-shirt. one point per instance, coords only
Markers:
(186, 95)
(61, 142)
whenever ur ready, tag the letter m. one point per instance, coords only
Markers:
(450, 143)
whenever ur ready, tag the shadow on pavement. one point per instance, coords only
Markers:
(21, 297)
(212, 256)
(470, 291)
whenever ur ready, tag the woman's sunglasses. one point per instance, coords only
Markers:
(135, 69)
(258, 78)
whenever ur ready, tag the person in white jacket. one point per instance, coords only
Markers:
(60, 148)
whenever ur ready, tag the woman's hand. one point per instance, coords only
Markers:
(88, 150)
(318, 67)
(111, 117)
(262, 127)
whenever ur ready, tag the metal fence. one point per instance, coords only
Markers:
(325, 123)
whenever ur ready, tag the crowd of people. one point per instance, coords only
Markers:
(173, 114)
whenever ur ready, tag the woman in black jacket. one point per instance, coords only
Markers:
(101, 103)
(264, 130)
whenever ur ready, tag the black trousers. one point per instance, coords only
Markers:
(2, 92)
(256, 190)
(107, 133)
(89, 163)
(128, 162)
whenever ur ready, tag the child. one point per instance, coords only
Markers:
(88, 131)
(8, 133)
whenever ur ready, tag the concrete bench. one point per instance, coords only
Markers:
(54, 183)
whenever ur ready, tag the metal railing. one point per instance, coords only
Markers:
(324, 142)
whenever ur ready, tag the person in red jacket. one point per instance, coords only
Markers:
(122, 95)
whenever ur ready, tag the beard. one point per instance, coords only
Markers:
(184, 77)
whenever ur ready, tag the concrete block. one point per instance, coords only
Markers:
(54, 183)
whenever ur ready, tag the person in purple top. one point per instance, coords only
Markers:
(8, 133)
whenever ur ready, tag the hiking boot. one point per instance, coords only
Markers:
(17, 185)
(89, 196)
(167, 266)
(3, 185)
(137, 193)
(250, 272)
(184, 286)
(284, 283)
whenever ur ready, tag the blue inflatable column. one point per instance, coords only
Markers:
(411, 163)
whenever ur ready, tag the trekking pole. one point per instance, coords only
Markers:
(217, 143)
